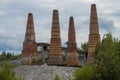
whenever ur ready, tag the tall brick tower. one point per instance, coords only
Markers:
(72, 54)
(94, 36)
(55, 54)
(29, 52)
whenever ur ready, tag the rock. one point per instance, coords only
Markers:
(44, 72)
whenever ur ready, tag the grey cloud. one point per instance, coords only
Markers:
(10, 42)
(13, 14)
(115, 13)
(106, 24)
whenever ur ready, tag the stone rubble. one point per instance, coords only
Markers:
(44, 72)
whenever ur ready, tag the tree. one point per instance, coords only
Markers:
(3, 56)
(8, 56)
(107, 60)
(84, 47)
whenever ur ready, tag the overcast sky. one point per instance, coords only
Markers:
(13, 19)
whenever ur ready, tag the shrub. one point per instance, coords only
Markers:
(6, 72)
(57, 77)
(85, 73)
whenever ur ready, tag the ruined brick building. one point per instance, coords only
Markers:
(29, 52)
(55, 54)
(72, 52)
(94, 36)
(54, 50)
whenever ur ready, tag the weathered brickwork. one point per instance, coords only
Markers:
(55, 54)
(72, 53)
(29, 52)
(94, 36)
